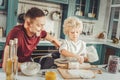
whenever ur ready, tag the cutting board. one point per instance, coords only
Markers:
(67, 74)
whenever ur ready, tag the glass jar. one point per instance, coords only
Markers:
(50, 75)
(113, 64)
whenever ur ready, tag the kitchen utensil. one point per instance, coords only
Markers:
(56, 15)
(30, 68)
(46, 12)
(84, 26)
(89, 28)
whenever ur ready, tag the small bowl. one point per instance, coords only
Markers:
(30, 68)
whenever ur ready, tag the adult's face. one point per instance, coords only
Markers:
(37, 25)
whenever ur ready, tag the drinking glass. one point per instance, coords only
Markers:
(50, 75)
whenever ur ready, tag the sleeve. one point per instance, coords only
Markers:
(63, 46)
(43, 34)
(12, 34)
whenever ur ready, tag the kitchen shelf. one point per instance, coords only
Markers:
(57, 1)
(87, 9)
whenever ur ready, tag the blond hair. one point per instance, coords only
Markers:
(72, 22)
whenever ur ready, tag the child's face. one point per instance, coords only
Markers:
(74, 33)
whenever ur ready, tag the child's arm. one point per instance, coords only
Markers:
(69, 54)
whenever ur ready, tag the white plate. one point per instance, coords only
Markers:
(61, 60)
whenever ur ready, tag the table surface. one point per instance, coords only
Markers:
(104, 76)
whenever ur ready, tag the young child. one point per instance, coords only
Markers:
(72, 47)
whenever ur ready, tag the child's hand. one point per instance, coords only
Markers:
(80, 59)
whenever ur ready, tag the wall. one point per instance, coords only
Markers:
(100, 23)
(52, 26)
(2, 21)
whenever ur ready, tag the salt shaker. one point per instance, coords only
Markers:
(113, 64)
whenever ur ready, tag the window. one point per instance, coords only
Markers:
(114, 23)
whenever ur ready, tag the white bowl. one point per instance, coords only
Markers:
(30, 68)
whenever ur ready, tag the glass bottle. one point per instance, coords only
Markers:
(9, 63)
(15, 58)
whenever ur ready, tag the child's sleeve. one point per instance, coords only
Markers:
(63, 46)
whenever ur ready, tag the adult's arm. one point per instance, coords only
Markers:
(53, 40)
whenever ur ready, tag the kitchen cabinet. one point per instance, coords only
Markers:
(87, 9)
(114, 21)
(2, 46)
(99, 51)
(68, 10)
(1, 52)
(11, 15)
(3, 4)
(109, 50)
(58, 1)
(118, 52)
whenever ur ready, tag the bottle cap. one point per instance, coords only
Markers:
(11, 42)
(15, 40)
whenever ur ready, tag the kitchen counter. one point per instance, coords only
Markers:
(88, 40)
(104, 76)
(91, 40)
